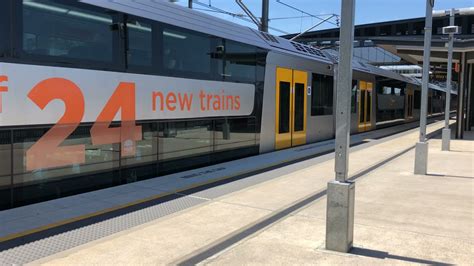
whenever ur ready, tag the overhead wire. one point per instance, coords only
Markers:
(235, 15)
(309, 14)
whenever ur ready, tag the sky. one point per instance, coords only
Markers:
(367, 11)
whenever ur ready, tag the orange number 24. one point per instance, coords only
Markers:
(47, 153)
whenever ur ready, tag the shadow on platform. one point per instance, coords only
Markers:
(453, 176)
(385, 255)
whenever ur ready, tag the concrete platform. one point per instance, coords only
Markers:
(27, 220)
(399, 217)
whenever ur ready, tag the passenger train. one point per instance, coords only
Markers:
(98, 93)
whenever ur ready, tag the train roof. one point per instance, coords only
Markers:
(370, 69)
(170, 13)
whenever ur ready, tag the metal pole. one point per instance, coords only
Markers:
(265, 11)
(446, 135)
(421, 150)
(190, 4)
(344, 88)
(341, 193)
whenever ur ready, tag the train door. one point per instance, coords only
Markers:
(365, 106)
(410, 103)
(290, 113)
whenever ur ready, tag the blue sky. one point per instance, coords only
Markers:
(367, 11)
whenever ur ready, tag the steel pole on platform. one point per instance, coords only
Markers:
(265, 11)
(341, 192)
(421, 150)
(190, 4)
(446, 135)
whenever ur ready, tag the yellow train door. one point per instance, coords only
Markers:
(365, 106)
(410, 96)
(290, 112)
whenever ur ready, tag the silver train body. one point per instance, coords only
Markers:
(286, 54)
(283, 96)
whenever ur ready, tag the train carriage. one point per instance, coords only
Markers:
(98, 93)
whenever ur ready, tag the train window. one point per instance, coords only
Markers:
(354, 97)
(5, 169)
(74, 31)
(417, 103)
(5, 151)
(4, 27)
(363, 101)
(239, 61)
(186, 52)
(386, 90)
(184, 138)
(233, 133)
(299, 106)
(369, 107)
(139, 43)
(322, 95)
(284, 115)
(397, 91)
(47, 183)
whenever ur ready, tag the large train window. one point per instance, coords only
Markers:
(322, 95)
(4, 27)
(236, 61)
(186, 51)
(139, 38)
(76, 32)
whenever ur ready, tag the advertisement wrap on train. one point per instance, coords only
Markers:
(88, 91)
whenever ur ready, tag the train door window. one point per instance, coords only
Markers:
(322, 95)
(300, 80)
(75, 32)
(299, 106)
(369, 105)
(409, 94)
(417, 100)
(409, 106)
(186, 52)
(284, 112)
(354, 97)
(139, 43)
(365, 106)
(290, 113)
(362, 103)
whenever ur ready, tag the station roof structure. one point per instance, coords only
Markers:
(404, 38)
(402, 41)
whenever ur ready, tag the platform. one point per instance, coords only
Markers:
(277, 216)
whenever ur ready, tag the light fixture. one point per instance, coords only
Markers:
(174, 35)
